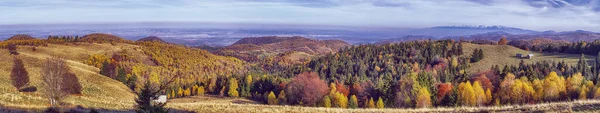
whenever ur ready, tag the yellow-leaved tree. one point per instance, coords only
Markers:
(271, 99)
(466, 94)
(554, 87)
(480, 98)
(233, 88)
(423, 98)
(380, 103)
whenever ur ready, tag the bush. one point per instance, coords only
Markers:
(19, 75)
(233, 87)
(306, 88)
(12, 49)
(271, 99)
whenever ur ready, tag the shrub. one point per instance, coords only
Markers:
(423, 98)
(19, 75)
(233, 87)
(353, 103)
(271, 99)
(380, 103)
(306, 88)
(70, 84)
(12, 49)
(52, 72)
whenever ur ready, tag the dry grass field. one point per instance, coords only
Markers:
(213, 104)
(98, 91)
(505, 55)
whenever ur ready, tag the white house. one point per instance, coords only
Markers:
(161, 99)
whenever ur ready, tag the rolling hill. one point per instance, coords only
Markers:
(151, 39)
(21, 37)
(255, 49)
(98, 90)
(101, 91)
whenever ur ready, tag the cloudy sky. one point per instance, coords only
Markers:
(539, 15)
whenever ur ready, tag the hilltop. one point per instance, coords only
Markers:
(21, 37)
(254, 49)
(98, 91)
(88, 60)
(101, 37)
(151, 39)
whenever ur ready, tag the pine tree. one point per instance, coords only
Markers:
(122, 75)
(144, 101)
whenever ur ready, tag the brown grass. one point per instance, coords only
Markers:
(213, 104)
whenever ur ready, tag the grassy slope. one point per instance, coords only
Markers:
(504, 55)
(98, 91)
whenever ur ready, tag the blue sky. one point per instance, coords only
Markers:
(560, 15)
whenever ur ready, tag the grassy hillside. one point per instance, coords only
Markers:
(98, 91)
(505, 55)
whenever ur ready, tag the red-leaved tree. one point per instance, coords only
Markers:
(307, 88)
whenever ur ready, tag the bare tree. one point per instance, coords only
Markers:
(52, 74)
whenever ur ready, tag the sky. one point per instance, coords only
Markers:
(541, 15)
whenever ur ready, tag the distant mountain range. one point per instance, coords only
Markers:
(493, 33)
(201, 35)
